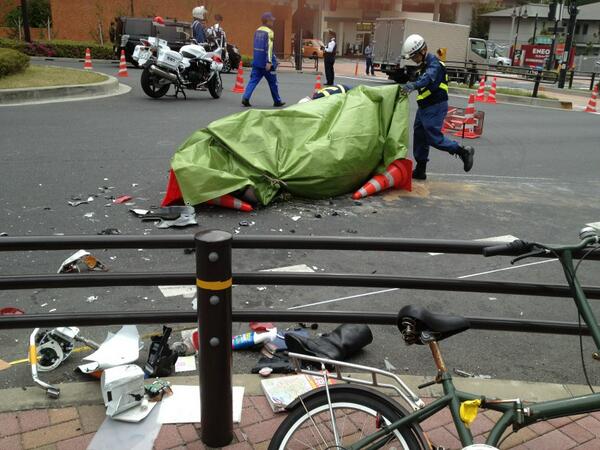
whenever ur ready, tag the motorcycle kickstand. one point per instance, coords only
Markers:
(179, 89)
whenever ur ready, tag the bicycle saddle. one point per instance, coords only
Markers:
(413, 320)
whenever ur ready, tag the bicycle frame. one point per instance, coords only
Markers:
(515, 412)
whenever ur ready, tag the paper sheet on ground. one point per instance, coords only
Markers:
(185, 363)
(300, 268)
(174, 291)
(184, 405)
(117, 349)
(114, 435)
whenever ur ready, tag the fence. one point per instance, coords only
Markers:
(214, 278)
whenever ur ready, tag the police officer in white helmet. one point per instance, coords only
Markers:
(432, 98)
(199, 24)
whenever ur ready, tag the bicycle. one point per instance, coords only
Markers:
(352, 416)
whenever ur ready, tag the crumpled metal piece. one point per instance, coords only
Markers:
(183, 220)
(166, 213)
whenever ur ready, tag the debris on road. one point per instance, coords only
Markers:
(81, 261)
(122, 199)
(341, 343)
(109, 231)
(388, 365)
(462, 373)
(123, 393)
(11, 311)
(161, 359)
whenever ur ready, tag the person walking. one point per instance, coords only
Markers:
(369, 58)
(329, 59)
(264, 62)
(432, 98)
(199, 24)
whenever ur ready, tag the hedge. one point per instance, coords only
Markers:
(60, 49)
(12, 61)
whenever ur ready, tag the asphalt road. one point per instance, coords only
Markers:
(535, 177)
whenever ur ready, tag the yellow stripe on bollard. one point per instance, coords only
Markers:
(214, 285)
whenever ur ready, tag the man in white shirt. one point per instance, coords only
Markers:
(329, 57)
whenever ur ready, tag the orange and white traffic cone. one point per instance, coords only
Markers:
(591, 106)
(397, 175)
(318, 86)
(481, 90)
(88, 59)
(239, 81)
(491, 97)
(468, 130)
(356, 69)
(122, 66)
(229, 201)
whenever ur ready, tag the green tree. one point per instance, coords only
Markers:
(480, 25)
(39, 12)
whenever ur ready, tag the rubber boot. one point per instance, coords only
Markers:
(341, 343)
(420, 171)
(466, 154)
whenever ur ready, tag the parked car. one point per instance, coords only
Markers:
(129, 31)
(312, 48)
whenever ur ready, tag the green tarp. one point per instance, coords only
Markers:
(323, 148)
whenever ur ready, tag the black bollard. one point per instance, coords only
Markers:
(213, 273)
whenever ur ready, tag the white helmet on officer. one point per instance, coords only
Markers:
(413, 45)
(198, 12)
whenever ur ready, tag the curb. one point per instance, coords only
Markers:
(88, 393)
(22, 95)
(545, 103)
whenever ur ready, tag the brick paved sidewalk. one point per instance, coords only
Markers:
(72, 428)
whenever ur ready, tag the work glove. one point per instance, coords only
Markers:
(407, 88)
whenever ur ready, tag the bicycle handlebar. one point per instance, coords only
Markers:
(517, 247)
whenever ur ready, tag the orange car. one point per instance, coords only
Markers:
(312, 48)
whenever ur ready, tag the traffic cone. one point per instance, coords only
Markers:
(397, 175)
(481, 90)
(591, 106)
(317, 87)
(356, 69)
(173, 196)
(468, 130)
(88, 59)
(229, 201)
(239, 81)
(491, 97)
(122, 66)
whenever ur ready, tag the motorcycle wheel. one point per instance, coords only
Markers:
(151, 86)
(226, 66)
(215, 87)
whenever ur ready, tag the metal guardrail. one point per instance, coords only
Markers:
(214, 278)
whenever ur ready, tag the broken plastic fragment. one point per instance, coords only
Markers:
(81, 260)
(122, 199)
(109, 231)
(117, 349)
(10, 311)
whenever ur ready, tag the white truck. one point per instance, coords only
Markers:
(452, 39)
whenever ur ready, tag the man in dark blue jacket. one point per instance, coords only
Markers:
(432, 98)
(199, 24)
(264, 61)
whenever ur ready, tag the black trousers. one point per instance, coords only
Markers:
(329, 72)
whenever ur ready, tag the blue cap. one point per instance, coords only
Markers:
(268, 16)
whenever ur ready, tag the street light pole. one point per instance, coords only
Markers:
(534, 28)
(25, 15)
(524, 15)
(573, 11)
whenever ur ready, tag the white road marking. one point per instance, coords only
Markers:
(498, 177)
(335, 300)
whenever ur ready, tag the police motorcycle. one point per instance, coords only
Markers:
(192, 68)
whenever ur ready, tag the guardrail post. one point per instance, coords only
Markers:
(536, 86)
(592, 81)
(213, 281)
(571, 76)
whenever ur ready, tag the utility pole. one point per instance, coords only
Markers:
(573, 11)
(555, 16)
(25, 20)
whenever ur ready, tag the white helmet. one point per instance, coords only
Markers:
(412, 45)
(198, 12)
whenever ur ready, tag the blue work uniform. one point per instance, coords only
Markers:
(432, 98)
(263, 54)
(198, 31)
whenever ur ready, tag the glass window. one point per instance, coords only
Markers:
(479, 48)
(585, 28)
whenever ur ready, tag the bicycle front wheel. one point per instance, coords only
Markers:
(357, 414)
